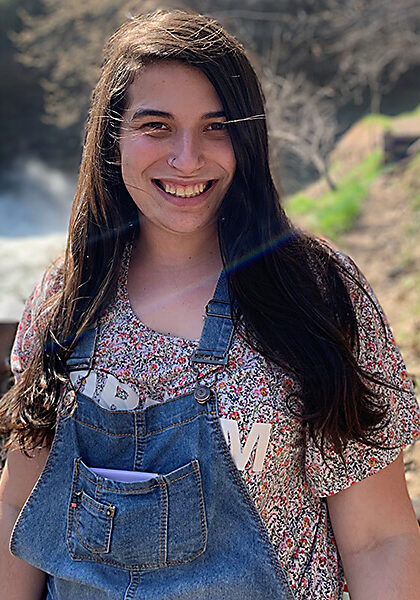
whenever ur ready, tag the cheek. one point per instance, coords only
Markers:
(132, 164)
(230, 157)
(231, 165)
(138, 152)
(226, 157)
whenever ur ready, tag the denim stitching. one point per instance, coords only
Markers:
(203, 412)
(133, 585)
(98, 506)
(163, 547)
(98, 491)
(182, 476)
(79, 556)
(257, 519)
(140, 490)
(107, 530)
(121, 491)
(70, 511)
(74, 511)
(197, 476)
(141, 567)
(140, 439)
(100, 429)
(47, 467)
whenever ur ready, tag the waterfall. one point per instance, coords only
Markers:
(35, 204)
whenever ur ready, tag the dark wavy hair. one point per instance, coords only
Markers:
(290, 300)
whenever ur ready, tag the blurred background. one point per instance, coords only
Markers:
(342, 83)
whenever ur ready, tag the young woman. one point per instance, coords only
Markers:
(209, 403)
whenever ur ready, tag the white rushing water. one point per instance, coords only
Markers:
(35, 203)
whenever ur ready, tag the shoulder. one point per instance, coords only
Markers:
(50, 284)
(35, 315)
(323, 255)
(326, 259)
(375, 347)
(368, 311)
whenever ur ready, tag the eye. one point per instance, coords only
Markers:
(153, 127)
(217, 126)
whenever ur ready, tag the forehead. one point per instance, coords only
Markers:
(172, 85)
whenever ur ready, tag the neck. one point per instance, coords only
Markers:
(164, 250)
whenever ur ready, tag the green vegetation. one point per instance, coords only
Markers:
(416, 202)
(331, 214)
(335, 212)
(412, 182)
(410, 113)
(386, 121)
(378, 119)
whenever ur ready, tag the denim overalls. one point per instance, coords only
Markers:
(191, 533)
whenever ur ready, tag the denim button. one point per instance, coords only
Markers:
(69, 398)
(68, 403)
(202, 394)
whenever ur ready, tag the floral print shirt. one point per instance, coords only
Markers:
(286, 475)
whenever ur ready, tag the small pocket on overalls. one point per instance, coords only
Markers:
(146, 524)
(93, 523)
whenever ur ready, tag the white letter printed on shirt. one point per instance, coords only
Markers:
(120, 396)
(89, 381)
(115, 395)
(259, 435)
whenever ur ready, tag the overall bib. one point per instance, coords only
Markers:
(190, 533)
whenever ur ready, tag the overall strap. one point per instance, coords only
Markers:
(216, 337)
(81, 358)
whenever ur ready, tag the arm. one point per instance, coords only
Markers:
(19, 580)
(378, 536)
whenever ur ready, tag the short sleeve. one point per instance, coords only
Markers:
(29, 326)
(378, 355)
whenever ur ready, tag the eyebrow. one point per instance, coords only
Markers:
(214, 115)
(149, 112)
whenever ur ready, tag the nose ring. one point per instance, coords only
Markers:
(171, 161)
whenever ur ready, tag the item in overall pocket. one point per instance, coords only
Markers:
(124, 476)
(104, 516)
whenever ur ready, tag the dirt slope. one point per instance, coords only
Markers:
(385, 243)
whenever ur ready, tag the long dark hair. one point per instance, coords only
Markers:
(291, 302)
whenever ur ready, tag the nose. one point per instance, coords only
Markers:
(187, 153)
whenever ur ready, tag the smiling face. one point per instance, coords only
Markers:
(177, 159)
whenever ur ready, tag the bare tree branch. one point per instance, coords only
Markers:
(301, 120)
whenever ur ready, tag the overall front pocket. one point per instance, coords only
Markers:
(146, 524)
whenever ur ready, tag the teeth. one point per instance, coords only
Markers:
(185, 192)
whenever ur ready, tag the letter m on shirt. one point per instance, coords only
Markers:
(258, 437)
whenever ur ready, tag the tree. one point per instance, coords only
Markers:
(376, 41)
(301, 120)
(327, 53)
(348, 45)
(65, 44)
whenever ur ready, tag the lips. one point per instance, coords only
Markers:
(183, 191)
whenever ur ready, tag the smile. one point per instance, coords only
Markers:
(183, 191)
